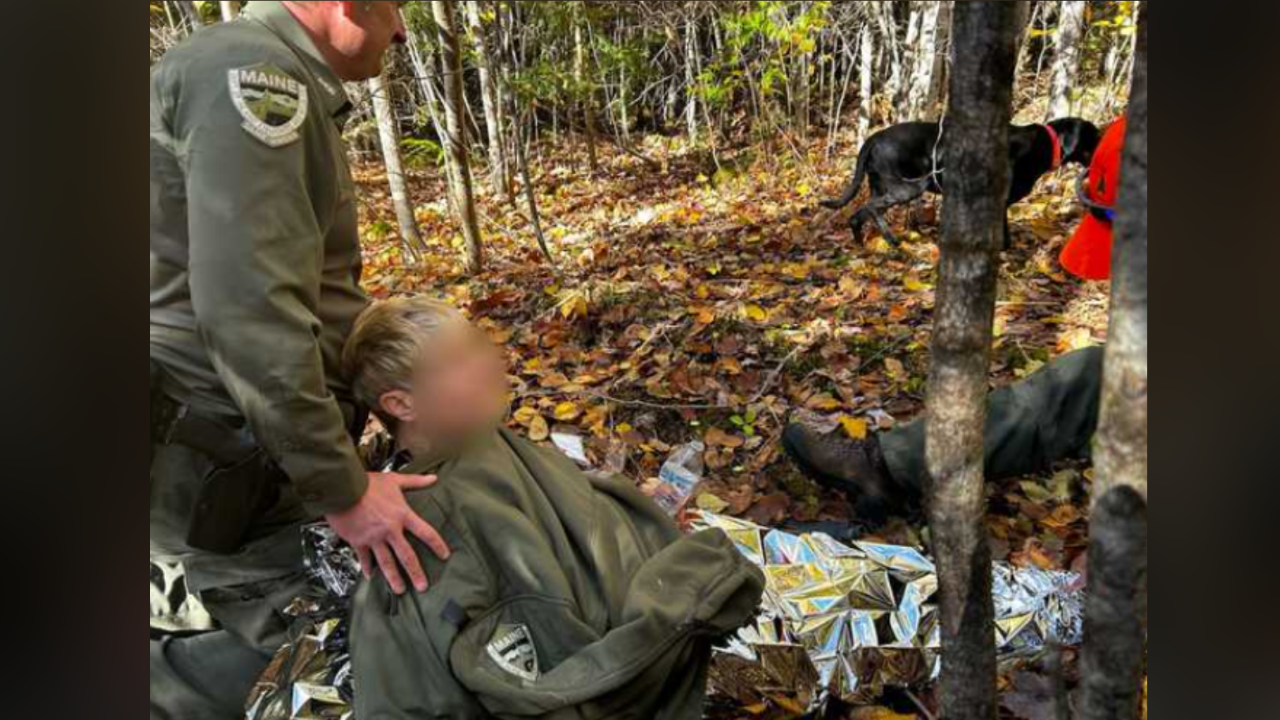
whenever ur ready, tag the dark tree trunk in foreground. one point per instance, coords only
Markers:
(455, 111)
(977, 139)
(1122, 441)
(1115, 653)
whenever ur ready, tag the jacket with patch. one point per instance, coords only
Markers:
(567, 598)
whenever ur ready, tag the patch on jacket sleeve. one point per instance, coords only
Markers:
(513, 650)
(272, 103)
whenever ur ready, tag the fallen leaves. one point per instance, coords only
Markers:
(855, 428)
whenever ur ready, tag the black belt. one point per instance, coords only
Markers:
(175, 423)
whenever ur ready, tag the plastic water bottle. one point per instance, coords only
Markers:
(681, 476)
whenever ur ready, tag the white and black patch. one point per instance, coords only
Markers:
(272, 103)
(513, 650)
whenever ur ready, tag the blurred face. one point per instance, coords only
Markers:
(359, 35)
(460, 389)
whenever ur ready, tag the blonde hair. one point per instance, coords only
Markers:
(389, 338)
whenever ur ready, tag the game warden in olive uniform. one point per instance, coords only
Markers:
(255, 268)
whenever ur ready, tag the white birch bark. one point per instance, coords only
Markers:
(445, 12)
(926, 62)
(499, 168)
(389, 133)
(1066, 69)
(866, 112)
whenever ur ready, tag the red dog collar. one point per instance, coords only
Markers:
(1057, 146)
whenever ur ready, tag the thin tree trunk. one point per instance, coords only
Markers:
(499, 169)
(690, 74)
(230, 10)
(445, 12)
(942, 63)
(190, 14)
(973, 233)
(427, 68)
(911, 60)
(1066, 69)
(1115, 653)
(522, 153)
(586, 88)
(926, 61)
(866, 113)
(389, 132)
(892, 53)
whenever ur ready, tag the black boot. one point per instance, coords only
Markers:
(856, 468)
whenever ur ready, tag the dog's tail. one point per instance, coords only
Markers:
(855, 188)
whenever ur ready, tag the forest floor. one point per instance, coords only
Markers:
(705, 300)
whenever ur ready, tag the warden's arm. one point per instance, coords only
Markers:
(257, 254)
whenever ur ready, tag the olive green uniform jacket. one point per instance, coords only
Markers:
(255, 255)
(566, 598)
(255, 265)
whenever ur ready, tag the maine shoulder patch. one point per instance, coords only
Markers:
(272, 103)
(513, 650)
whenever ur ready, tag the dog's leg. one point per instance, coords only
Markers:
(898, 194)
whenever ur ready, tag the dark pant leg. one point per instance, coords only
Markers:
(210, 676)
(1049, 417)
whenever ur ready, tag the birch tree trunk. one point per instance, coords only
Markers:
(892, 52)
(230, 10)
(690, 74)
(1115, 654)
(973, 233)
(389, 132)
(190, 14)
(910, 62)
(445, 12)
(427, 68)
(926, 62)
(586, 88)
(942, 63)
(866, 112)
(1066, 69)
(499, 168)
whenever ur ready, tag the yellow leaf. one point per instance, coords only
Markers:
(913, 284)
(526, 415)
(757, 314)
(824, 403)
(575, 307)
(855, 428)
(539, 431)
(568, 412)
(880, 714)
(804, 190)
(712, 504)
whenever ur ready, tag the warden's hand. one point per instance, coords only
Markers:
(377, 528)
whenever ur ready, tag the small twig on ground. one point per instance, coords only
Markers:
(773, 377)
(924, 709)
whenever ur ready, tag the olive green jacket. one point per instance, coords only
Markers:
(255, 256)
(566, 598)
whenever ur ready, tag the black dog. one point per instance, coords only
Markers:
(900, 162)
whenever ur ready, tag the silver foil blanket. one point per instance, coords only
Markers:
(847, 622)
(310, 678)
(839, 622)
